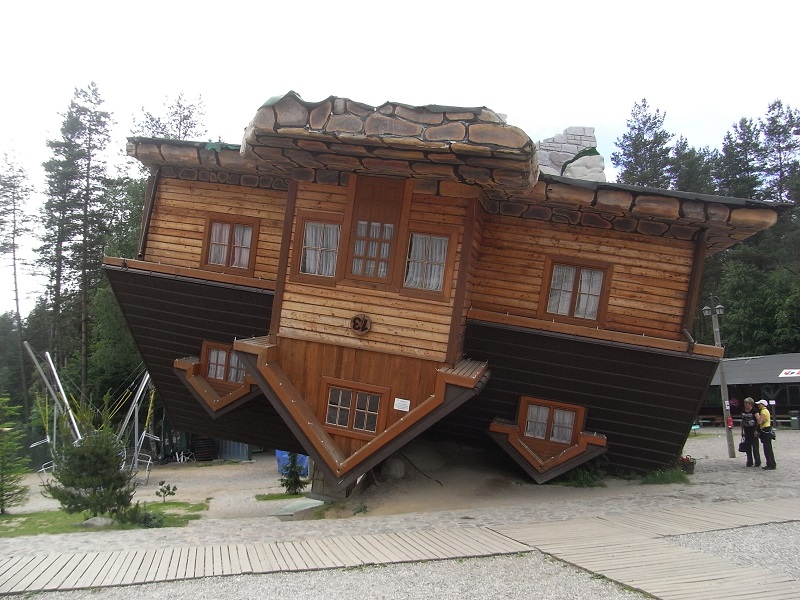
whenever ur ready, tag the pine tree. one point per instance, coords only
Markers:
(13, 466)
(182, 119)
(14, 224)
(644, 155)
(74, 215)
(781, 133)
(739, 168)
(692, 170)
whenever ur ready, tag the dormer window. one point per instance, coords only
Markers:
(222, 365)
(553, 422)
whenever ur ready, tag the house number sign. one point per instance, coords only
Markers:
(360, 324)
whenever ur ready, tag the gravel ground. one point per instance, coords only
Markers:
(531, 575)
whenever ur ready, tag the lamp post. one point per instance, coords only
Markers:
(723, 387)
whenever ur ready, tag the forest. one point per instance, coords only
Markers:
(90, 211)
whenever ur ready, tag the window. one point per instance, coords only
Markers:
(377, 209)
(230, 244)
(222, 365)
(577, 292)
(354, 409)
(552, 422)
(427, 259)
(320, 249)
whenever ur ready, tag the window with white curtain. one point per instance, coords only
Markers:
(320, 249)
(575, 291)
(425, 265)
(550, 421)
(230, 244)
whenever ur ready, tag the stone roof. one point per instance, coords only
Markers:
(450, 151)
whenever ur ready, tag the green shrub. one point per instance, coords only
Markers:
(88, 476)
(138, 514)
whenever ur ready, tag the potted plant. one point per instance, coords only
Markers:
(687, 464)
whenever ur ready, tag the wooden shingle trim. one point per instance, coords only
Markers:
(598, 334)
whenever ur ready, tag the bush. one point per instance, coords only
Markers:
(89, 476)
(139, 515)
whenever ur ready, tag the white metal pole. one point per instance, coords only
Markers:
(723, 386)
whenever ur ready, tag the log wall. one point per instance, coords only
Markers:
(649, 286)
(401, 324)
(412, 379)
(177, 224)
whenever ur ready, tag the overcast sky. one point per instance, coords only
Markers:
(545, 66)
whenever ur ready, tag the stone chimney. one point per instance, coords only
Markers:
(572, 154)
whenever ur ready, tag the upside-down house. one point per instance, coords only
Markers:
(352, 277)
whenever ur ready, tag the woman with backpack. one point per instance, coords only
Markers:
(750, 439)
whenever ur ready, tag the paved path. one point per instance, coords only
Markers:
(627, 548)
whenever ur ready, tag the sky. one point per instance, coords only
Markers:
(546, 66)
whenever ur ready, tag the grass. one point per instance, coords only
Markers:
(277, 496)
(665, 476)
(176, 514)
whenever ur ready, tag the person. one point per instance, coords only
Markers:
(749, 436)
(764, 420)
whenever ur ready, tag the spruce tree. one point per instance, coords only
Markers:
(644, 156)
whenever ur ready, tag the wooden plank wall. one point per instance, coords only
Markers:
(401, 324)
(650, 283)
(307, 362)
(177, 226)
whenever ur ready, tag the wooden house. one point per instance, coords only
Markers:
(352, 277)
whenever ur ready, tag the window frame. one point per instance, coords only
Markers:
(383, 408)
(359, 197)
(547, 280)
(307, 216)
(552, 406)
(231, 220)
(449, 263)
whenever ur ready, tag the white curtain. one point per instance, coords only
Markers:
(218, 250)
(235, 369)
(427, 255)
(561, 290)
(216, 364)
(563, 424)
(320, 249)
(536, 425)
(591, 284)
(242, 238)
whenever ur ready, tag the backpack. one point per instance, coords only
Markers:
(748, 420)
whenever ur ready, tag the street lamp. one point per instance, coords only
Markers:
(723, 387)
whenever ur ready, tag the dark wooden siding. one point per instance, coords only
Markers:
(169, 318)
(643, 401)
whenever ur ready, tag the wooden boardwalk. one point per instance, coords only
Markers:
(71, 571)
(628, 549)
